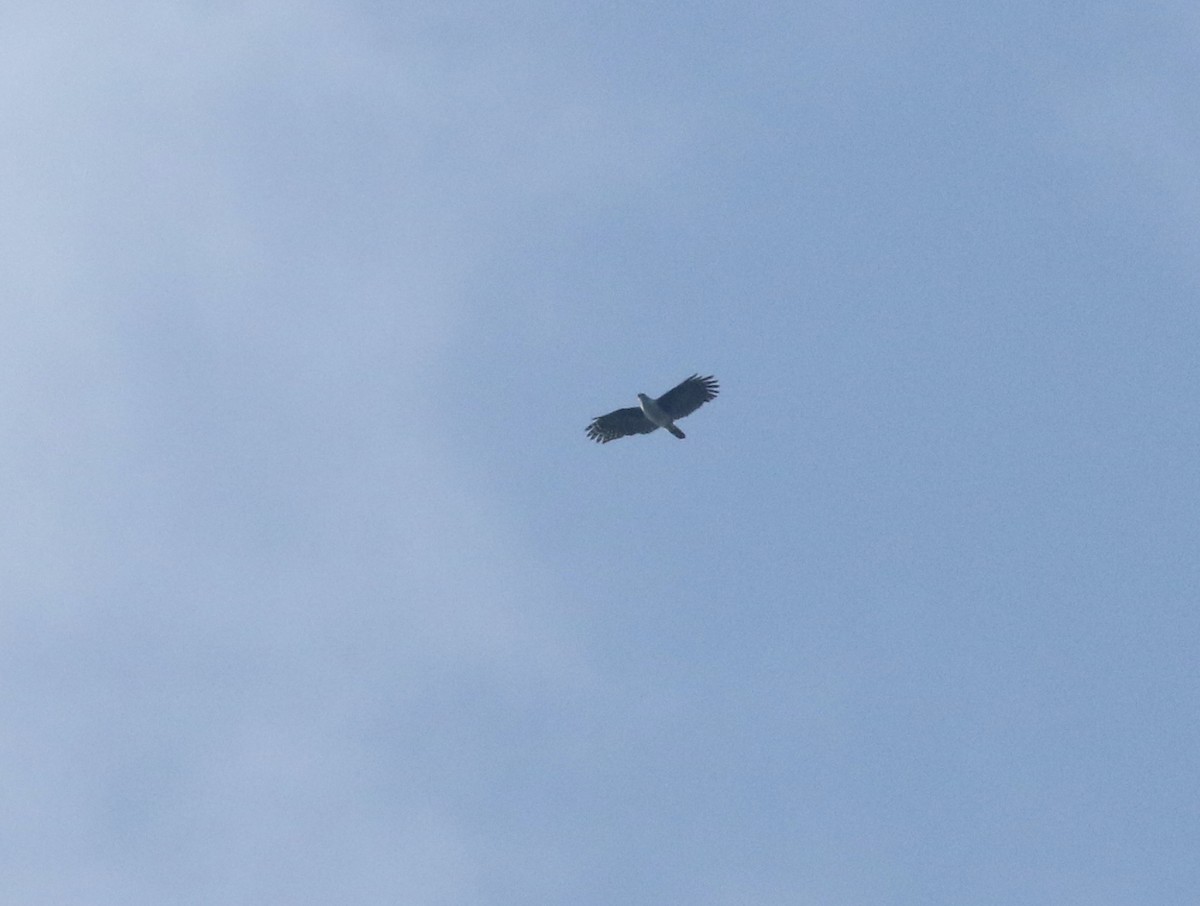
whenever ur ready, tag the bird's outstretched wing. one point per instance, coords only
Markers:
(688, 396)
(621, 423)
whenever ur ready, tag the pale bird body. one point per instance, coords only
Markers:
(653, 411)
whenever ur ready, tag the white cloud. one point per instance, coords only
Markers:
(239, 570)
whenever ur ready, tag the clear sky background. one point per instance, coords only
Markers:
(315, 592)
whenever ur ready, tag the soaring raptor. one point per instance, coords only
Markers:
(653, 414)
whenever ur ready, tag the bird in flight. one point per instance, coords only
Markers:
(653, 414)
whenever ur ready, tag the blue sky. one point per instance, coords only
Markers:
(314, 590)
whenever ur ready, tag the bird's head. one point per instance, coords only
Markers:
(643, 397)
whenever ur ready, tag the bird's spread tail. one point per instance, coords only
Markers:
(676, 432)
